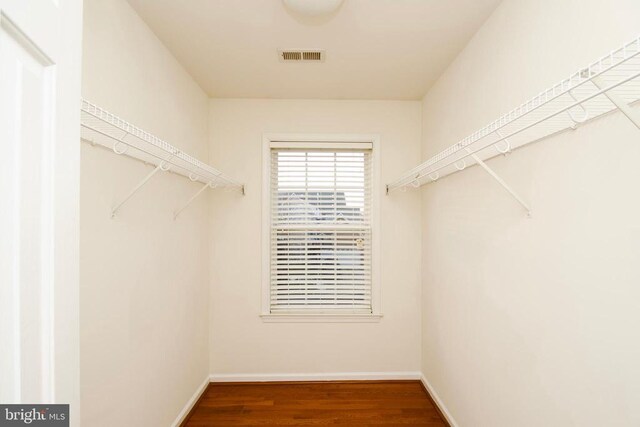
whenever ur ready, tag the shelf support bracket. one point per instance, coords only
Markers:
(191, 199)
(160, 167)
(618, 102)
(501, 182)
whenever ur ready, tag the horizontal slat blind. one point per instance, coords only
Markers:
(320, 230)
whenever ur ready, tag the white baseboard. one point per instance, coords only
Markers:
(341, 376)
(191, 403)
(436, 398)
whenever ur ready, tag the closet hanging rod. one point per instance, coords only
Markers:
(142, 150)
(470, 153)
(106, 129)
(607, 84)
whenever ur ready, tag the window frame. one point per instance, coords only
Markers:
(308, 141)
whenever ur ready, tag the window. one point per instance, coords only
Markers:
(320, 228)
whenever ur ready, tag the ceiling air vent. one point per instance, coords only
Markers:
(301, 55)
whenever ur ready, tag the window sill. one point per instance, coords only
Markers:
(320, 318)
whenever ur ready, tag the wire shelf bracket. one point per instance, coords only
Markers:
(619, 103)
(161, 167)
(609, 84)
(192, 198)
(99, 127)
(500, 181)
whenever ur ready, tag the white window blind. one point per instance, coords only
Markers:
(321, 229)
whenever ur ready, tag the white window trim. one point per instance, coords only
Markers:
(307, 140)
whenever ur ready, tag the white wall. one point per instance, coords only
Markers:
(144, 285)
(240, 343)
(531, 322)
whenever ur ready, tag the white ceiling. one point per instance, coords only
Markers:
(375, 49)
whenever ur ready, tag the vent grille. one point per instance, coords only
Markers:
(297, 55)
(312, 56)
(291, 56)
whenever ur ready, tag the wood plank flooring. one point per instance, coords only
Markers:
(356, 403)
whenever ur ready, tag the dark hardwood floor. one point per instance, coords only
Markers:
(357, 403)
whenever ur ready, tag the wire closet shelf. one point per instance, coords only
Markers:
(101, 127)
(607, 84)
